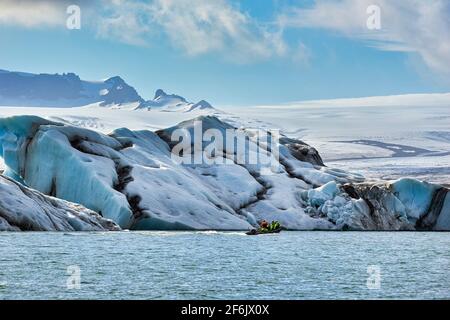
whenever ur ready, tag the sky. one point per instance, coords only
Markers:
(232, 52)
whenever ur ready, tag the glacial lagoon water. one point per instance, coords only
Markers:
(225, 265)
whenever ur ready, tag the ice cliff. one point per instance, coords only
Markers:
(133, 178)
(405, 204)
(24, 209)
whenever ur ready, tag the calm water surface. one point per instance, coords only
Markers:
(224, 265)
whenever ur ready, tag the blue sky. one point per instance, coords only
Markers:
(236, 52)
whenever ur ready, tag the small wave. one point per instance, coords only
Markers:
(161, 233)
(207, 232)
(222, 233)
(155, 233)
(188, 233)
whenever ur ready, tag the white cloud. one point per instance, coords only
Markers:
(220, 26)
(30, 13)
(194, 26)
(126, 26)
(421, 27)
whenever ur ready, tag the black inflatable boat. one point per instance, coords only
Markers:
(255, 232)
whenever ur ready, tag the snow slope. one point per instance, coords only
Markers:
(24, 209)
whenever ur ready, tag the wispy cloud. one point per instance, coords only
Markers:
(39, 13)
(29, 13)
(421, 27)
(221, 27)
(124, 21)
(194, 26)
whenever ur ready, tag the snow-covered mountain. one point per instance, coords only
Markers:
(63, 90)
(133, 178)
(20, 89)
(174, 103)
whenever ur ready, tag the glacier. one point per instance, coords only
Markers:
(132, 177)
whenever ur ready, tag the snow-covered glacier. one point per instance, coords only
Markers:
(24, 209)
(134, 179)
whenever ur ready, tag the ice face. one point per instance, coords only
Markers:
(415, 195)
(41, 154)
(23, 209)
(405, 204)
(443, 221)
(14, 132)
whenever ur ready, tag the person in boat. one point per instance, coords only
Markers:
(269, 227)
(274, 226)
(264, 225)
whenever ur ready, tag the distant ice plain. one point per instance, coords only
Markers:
(379, 137)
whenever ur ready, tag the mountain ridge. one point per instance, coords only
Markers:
(67, 90)
(174, 103)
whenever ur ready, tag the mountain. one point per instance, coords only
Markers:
(63, 90)
(201, 105)
(20, 89)
(174, 103)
